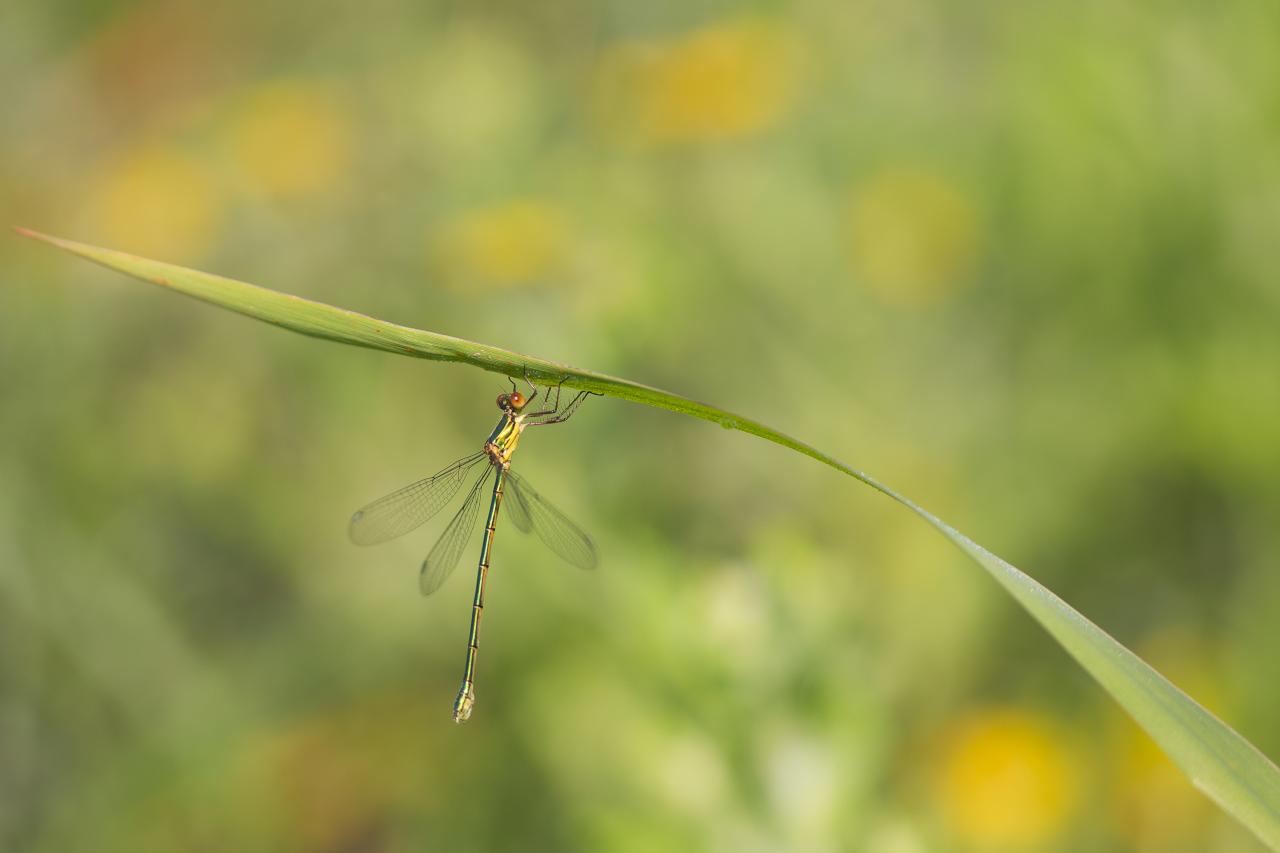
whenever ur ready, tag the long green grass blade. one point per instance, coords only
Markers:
(1219, 761)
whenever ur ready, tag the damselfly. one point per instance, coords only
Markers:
(407, 508)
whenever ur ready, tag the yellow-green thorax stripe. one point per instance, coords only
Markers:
(504, 438)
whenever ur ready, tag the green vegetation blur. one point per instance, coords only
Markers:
(1018, 260)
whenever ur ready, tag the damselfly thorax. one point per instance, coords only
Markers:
(502, 442)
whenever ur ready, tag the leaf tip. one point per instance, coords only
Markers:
(58, 242)
(36, 235)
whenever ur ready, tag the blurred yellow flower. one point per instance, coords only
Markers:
(516, 242)
(291, 139)
(1007, 779)
(728, 80)
(157, 201)
(914, 236)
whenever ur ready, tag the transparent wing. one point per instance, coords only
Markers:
(516, 507)
(404, 509)
(552, 526)
(445, 554)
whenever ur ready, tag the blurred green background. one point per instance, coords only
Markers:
(1018, 260)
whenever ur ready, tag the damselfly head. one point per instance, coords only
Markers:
(511, 402)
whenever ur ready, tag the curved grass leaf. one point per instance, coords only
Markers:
(1219, 761)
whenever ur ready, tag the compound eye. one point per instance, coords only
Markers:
(504, 400)
(517, 399)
